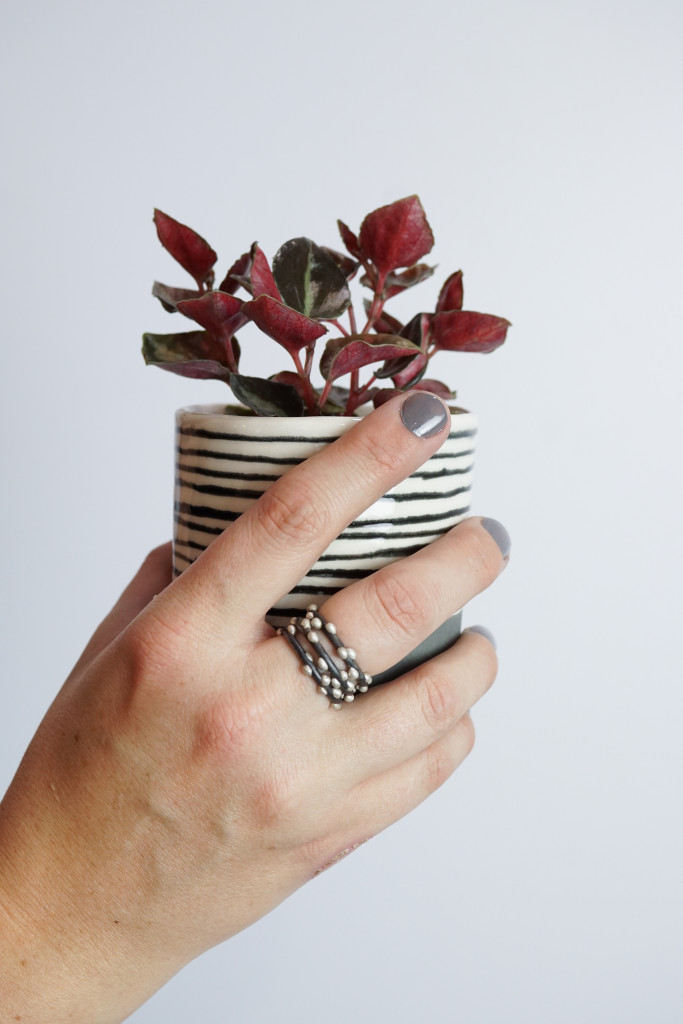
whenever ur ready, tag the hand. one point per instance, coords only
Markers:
(189, 777)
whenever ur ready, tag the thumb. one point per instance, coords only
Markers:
(155, 573)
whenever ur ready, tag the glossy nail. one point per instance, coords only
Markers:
(486, 633)
(424, 414)
(499, 534)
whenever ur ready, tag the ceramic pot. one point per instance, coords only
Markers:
(226, 458)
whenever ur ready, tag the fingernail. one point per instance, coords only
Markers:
(486, 633)
(424, 414)
(499, 534)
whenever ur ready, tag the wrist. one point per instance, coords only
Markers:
(60, 957)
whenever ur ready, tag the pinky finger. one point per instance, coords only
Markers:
(383, 799)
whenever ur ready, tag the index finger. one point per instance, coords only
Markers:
(265, 553)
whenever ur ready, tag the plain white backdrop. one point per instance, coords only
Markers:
(543, 882)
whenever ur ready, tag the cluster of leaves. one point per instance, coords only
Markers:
(306, 288)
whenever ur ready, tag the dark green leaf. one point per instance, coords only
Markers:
(191, 354)
(267, 397)
(417, 329)
(405, 371)
(170, 297)
(416, 274)
(310, 281)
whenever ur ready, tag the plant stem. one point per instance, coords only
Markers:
(310, 396)
(359, 395)
(230, 355)
(325, 394)
(377, 304)
(340, 327)
(352, 401)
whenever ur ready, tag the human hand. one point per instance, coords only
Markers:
(188, 777)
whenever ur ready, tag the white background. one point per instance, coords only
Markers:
(543, 883)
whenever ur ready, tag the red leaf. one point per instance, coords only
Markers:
(221, 315)
(350, 240)
(451, 294)
(385, 323)
(436, 387)
(217, 312)
(262, 280)
(291, 378)
(347, 266)
(290, 329)
(397, 235)
(385, 395)
(343, 355)
(411, 373)
(239, 269)
(192, 252)
(461, 331)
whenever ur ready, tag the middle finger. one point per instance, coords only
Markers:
(386, 615)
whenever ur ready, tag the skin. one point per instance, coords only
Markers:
(188, 777)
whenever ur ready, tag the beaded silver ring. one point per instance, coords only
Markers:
(335, 672)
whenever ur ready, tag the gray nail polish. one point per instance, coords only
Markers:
(486, 633)
(499, 534)
(424, 414)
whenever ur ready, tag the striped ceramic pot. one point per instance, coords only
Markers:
(225, 459)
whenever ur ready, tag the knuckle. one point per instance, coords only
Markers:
(484, 557)
(293, 513)
(439, 765)
(277, 801)
(484, 658)
(468, 733)
(158, 557)
(439, 701)
(401, 602)
(226, 729)
(490, 664)
(153, 646)
(377, 456)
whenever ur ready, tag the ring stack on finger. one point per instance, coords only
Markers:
(325, 658)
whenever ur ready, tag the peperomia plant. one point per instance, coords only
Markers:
(306, 289)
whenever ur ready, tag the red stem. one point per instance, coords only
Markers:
(351, 401)
(350, 409)
(335, 323)
(325, 394)
(230, 355)
(377, 304)
(309, 394)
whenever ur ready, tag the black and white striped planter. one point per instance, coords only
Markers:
(225, 460)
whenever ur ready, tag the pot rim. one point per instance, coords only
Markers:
(243, 415)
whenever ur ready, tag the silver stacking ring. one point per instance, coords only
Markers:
(328, 661)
